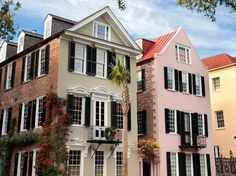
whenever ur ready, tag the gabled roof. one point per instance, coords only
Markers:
(219, 61)
(61, 19)
(33, 34)
(115, 21)
(157, 46)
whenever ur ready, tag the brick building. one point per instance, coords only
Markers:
(71, 59)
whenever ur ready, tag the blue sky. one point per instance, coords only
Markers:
(142, 19)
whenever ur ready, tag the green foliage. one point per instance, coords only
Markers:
(7, 8)
(51, 171)
(208, 8)
(121, 5)
(6, 161)
(148, 149)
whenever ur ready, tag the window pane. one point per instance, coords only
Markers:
(74, 162)
(216, 83)
(173, 164)
(220, 119)
(188, 160)
(172, 121)
(170, 77)
(99, 161)
(77, 110)
(42, 61)
(118, 163)
(198, 85)
(80, 54)
(140, 123)
(101, 59)
(119, 116)
(185, 81)
(40, 111)
(203, 165)
(200, 125)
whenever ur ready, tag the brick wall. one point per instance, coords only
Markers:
(146, 98)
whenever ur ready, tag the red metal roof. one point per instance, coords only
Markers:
(218, 61)
(157, 45)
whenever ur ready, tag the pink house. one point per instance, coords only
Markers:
(174, 107)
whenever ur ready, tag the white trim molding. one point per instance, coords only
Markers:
(79, 90)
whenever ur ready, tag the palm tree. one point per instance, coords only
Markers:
(120, 76)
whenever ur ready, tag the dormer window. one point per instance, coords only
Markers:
(20, 44)
(48, 27)
(101, 30)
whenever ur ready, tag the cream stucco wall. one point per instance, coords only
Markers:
(224, 99)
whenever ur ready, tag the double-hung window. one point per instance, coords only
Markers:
(220, 119)
(174, 164)
(5, 120)
(201, 125)
(101, 62)
(101, 30)
(99, 164)
(40, 112)
(141, 80)
(119, 116)
(8, 76)
(42, 62)
(170, 79)
(24, 116)
(80, 58)
(74, 162)
(216, 84)
(118, 163)
(203, 165)
(20, 46)
(172, 121)
(189, 164)
(198, 85)
(21, 163)
(78, 110)
(185, 83)
(27, 67)
(182, 54)
(140, 123)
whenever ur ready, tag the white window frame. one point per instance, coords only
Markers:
(187, 51)
(116, 163)
(217, 151)
(104, 163)
(173, 79)
(191, 160)
(215, 88)
(107, 33)
(175, 121)
(80, 165)
(203, 124)
(139, 80)
(34, 161)
(26, 68)
(83, 111)
(78, 58)
(48, 27)
(23, 117)
(200, 85)
(177, 162)
(19, 162)
(9, 68)
(40, 61)
(205, 164)
(187, 82)
(217, 124)
(37, 112)
(20, 46)
(105, 64)
(139, 123)
(119, 104)
(5, 121)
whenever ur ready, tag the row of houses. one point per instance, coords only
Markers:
(169, 97)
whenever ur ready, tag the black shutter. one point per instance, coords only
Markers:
(47, 59)
(29, 114)
(94, 60)
(168, 164)
(30, 163)
(203, 86)
(143, 79)
(91, 60)
(25, 163)
(13, 74)
(1, 121)
(127, 61)
(180, 82)
(167, 120)
(129, 118)
(165, 78)
(44, 110)
(36, 64)
(194, 117)
(87, 111)
(71, 58)
(32, 65)
(182, 128)
(144, 122)
(69, 107)
(113, 114)
(182, 164)
(196, 164)
(23, 70)
(33, 114)
(9, 120)
(206, 125)
(176, 80)
(110, 62)
(178, 113)
(19, 118)
(194, 84)
(0, 77)
(208, 165)
(5, 77)
(190, 83)
(16, 164)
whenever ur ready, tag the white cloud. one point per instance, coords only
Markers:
(148, 19)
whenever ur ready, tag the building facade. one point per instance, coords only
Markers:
(174, 107)
(73, 62)
(221, 70)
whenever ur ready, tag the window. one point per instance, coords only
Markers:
(201, 125)
(172, 121)
(47, 28)
(182, 54)
(198, 85)
(21, 163)
(220, 119)
(185, 83)
(101, 63)
(27, 75)
(118, 163)
(80, 58)
(170, 78)
(99, 163)
(9, 76)
(119, 116)
(174, 164)
(20, 46)
(101, 30)
(6, 116)
(217, 151)
(74, 162)
(78, 110)
(188, 160)
(40, 112)
(203, 165)
(24, 116)
(42, 62)
(216, 84)
(140, 123)
(141, 80)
